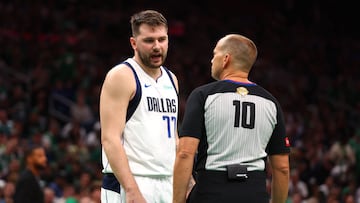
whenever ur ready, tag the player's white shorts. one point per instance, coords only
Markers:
(154, 190)
(109, 196)
(110, 189)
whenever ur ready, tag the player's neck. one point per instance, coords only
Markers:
(239, 77)
(155, 73)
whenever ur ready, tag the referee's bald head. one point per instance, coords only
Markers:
(242, 49)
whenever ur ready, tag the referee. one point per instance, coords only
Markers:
(233, 125)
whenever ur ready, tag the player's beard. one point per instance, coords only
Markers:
(146, 59)
(40, 166)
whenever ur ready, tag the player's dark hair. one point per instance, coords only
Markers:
(149, 17)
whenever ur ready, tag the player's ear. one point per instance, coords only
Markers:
(133, 42)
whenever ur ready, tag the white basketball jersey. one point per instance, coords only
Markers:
(149, 134)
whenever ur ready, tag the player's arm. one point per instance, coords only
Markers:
(183, 167)
(118, 88)
(279, 164)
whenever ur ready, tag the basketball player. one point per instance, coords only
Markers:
(138, 116)
(233, 124)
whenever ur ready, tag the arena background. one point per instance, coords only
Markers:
(54, 56)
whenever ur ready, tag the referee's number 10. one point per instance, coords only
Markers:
(244, 113)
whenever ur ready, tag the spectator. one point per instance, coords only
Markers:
(354, 143)
(296, 185)
(6, 192)
(49, 195)
(343, 156)
(28, 187)
(81, 111)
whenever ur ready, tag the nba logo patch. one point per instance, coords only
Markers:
(242, 91)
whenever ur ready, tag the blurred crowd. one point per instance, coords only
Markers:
(54, 56)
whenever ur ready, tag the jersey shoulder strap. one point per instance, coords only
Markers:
(171, 79)
(134, 102)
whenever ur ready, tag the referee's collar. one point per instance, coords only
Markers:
(241, 83)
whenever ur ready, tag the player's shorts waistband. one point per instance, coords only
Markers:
(109, 182)
(223, 175)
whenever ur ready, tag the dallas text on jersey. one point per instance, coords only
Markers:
(161, 105)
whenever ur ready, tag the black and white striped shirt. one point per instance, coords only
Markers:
(236, 123)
